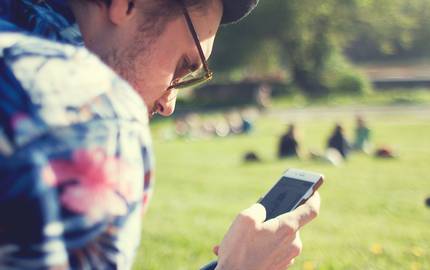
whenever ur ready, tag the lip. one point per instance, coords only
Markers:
(150, 115)
(159, 108)
(152, 112)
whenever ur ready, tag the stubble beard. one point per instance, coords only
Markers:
(126, 63)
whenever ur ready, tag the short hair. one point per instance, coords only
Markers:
(169, 8)
(159, 12)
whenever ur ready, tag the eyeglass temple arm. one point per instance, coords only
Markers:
(195, 37)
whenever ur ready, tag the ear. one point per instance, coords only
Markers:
(121, 10)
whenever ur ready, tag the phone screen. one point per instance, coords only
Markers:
(284, 196)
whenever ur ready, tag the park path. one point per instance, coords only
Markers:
(397, 72)
(421, 111)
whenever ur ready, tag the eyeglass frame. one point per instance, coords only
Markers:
(208, 73)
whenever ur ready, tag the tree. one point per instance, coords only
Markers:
(307, 37)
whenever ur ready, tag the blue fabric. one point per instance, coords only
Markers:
(48, 19)
(75, 150)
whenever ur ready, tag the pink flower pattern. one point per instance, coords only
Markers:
(95, 184)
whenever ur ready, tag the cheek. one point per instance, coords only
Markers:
(148, 94)
(155, 77)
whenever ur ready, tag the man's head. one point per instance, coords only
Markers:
(150, 43)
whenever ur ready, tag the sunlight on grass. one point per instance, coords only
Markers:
(373, 214)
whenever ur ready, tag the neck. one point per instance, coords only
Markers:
(89, 17)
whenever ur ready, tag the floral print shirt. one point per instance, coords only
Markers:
(75, 148)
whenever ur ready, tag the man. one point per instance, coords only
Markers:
(75, 155)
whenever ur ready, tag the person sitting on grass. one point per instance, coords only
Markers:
(362, 136)
(288, 144)
(79, 81)
(338, 141)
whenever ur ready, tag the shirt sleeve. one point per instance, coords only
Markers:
(74, 196)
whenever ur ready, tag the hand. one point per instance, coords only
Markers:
(253, 244)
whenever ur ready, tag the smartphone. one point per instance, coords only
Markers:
(293, 189)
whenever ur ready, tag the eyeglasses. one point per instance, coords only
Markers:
(200, 75)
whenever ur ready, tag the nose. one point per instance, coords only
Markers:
(166, 104)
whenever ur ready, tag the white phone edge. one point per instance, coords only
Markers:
(303, 175)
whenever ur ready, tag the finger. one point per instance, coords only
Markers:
(295, 248)
(293, 238)
(257, 212)
(215, 249)
(291, 263)
(303, 214)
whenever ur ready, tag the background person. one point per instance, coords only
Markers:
(362, 136)
(338, 141)
(288, 144)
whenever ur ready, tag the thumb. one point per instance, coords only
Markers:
(257, 212)
(304, 213)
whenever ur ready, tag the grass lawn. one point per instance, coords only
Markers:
(372, 217)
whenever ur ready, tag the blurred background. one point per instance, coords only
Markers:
(341, 87)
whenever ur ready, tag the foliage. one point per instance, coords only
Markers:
(342, 78)
(390, 29)
(306, 38)
(302, 36)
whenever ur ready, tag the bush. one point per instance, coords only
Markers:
(342, 78)
(352, 82)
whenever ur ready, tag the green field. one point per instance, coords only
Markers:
(372, 217)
